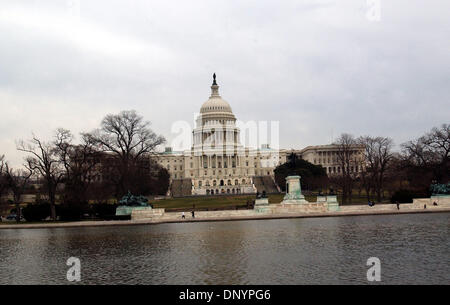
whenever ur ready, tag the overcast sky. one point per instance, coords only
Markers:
(320, 68)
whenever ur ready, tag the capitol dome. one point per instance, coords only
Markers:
(215, 103)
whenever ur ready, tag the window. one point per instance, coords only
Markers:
(200, 183)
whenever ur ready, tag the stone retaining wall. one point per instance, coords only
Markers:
(147, 214)
(272, 210)
(443, 201)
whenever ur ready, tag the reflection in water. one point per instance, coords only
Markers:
(412, 249)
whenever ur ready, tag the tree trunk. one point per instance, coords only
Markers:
(53, 211)
(18, 213)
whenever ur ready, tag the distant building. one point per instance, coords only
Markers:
(328, 157)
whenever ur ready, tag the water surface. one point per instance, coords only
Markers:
(413, 249)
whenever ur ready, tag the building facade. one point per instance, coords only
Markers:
(218, 163)
(329, 157)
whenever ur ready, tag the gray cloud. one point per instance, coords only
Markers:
(319, 67)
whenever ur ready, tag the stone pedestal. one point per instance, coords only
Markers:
(261, 205)
(333, 204)
(293, 191)
(261, 201)
(124, 210)
(321, 198)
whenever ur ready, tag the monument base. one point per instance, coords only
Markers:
(124, 210)
(294, 199)
(147, 214)
(261, 201)
(333, 204)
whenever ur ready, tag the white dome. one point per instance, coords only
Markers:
(215, 104)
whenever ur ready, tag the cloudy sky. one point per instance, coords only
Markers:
(320, 68)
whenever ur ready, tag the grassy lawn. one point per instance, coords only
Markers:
(202, 202)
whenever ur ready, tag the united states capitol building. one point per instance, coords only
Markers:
(217, 162)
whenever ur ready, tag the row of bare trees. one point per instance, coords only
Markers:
(105, 163)
(15, 181)
(419, 163)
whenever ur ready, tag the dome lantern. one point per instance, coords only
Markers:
(215, 103)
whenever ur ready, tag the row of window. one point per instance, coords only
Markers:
(221, 182)
(335, 169)
(222, 191)
(175, 167)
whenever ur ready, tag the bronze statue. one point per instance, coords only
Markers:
(132, 200)
(440, 189)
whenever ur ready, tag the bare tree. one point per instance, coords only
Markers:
(378, 154)
(18, 181)
(431, 151)
(79, 162)
(128, 139)
(348, 160)
(4, 187)
(43, 159)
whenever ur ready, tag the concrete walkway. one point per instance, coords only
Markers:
(356, 210)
